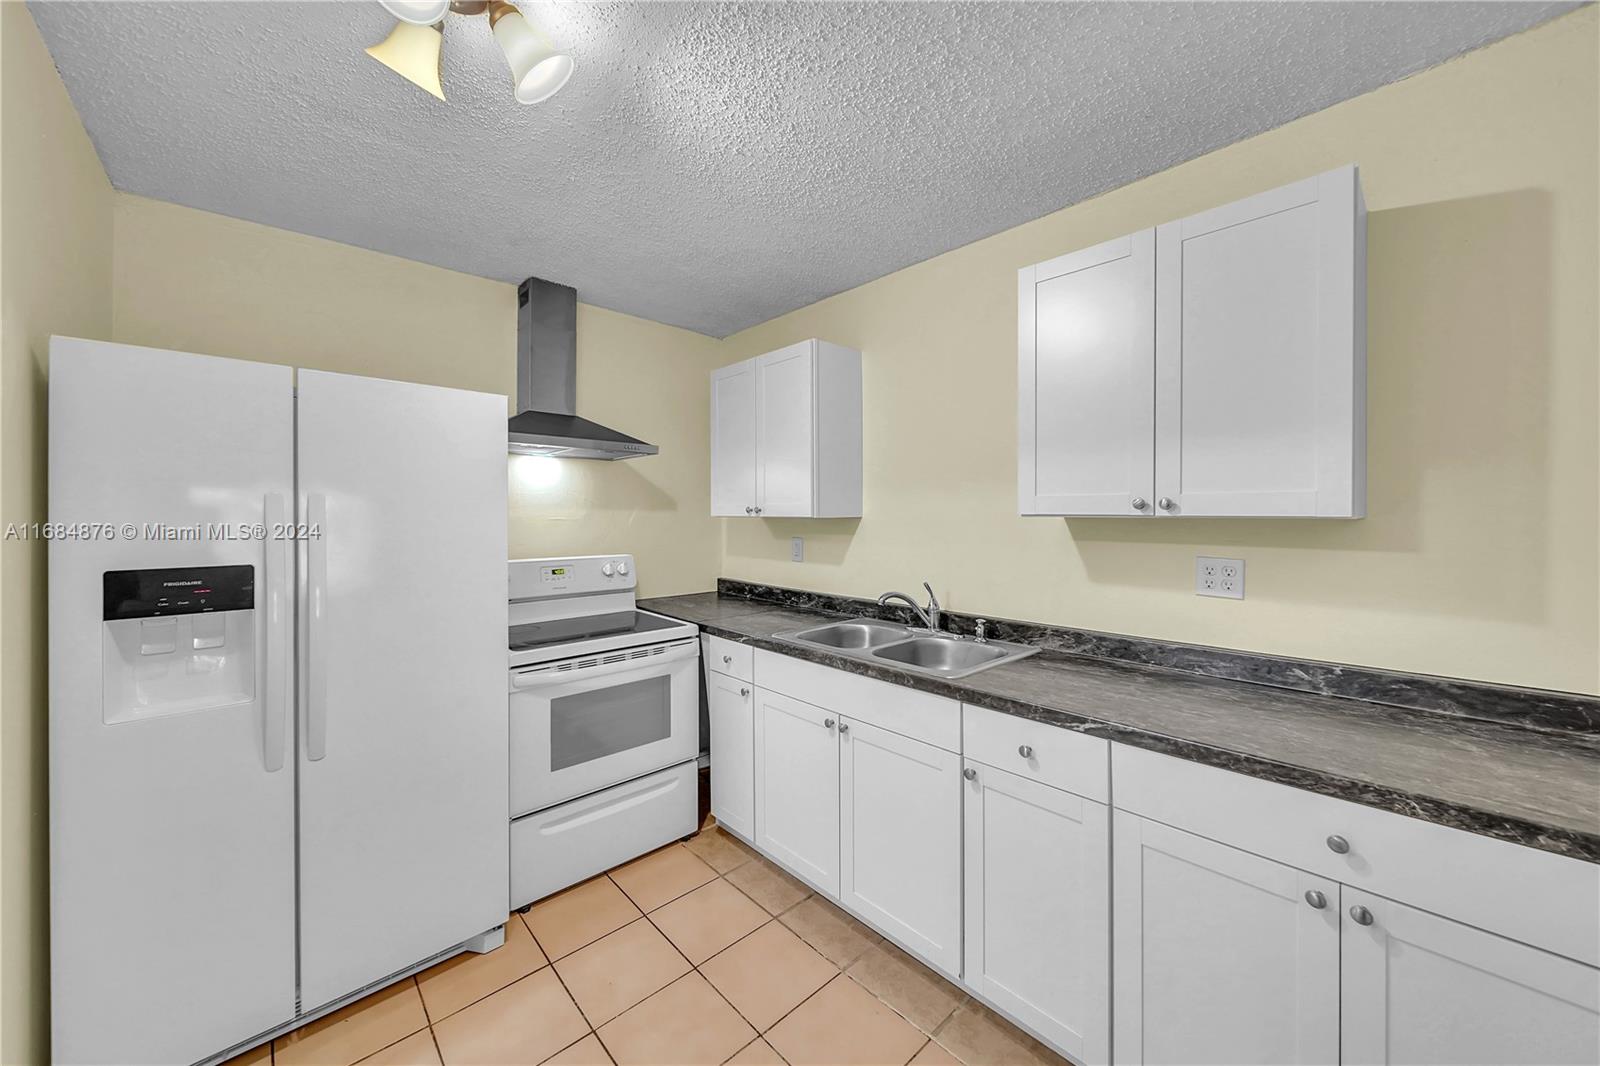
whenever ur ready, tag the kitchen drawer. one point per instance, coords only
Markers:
(1533, 896)
(556, 848)
(727, 656)
(1057, 757)
(897, 708)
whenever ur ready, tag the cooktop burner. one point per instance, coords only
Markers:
(568, 630)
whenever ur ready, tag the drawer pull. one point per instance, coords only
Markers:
(727, 660)
(1338, 844)
(1361, 915)
(1316, 899)
(970, 774)
(1026, 751)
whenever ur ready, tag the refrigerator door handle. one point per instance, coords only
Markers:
(316, 622)
(279, 664)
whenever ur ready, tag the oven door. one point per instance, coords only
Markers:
(580, 725)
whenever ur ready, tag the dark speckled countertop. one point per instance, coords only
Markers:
(1539, 788)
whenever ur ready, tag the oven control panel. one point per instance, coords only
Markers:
(533, 579)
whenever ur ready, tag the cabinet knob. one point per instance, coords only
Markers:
(749, 510)
(844, 727)
(1026, 751)
(1338, 845)
(1316, 899)
(758, 510)
(1165, 503)
(827, 723)
(1140, 503)
(1361, 915)
(726, 659)
(970, 774)
(744, 692)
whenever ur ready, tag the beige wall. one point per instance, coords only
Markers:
(200, 282)
(1479, 555)
(55, 277)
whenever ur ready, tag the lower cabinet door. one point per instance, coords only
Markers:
(733, 749)
(1220, 956)
(1423, 989)
(1038, 929)
(797, 788)
(900, 815)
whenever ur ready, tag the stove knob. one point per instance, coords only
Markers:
(606, 570)
(622, 568)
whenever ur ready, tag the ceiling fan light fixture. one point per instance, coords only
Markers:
(538, 70)
(417, 12)
(412, 51)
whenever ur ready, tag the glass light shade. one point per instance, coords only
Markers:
(538, 71)
(412, 52)
(417, 12)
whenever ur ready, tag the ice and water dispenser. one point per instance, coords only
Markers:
(177, 640)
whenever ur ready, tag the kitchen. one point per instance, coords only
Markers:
(1410, 664)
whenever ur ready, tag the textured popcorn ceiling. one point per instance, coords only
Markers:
(711, 165)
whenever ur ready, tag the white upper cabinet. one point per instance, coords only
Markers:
(1216, 369)
(786, 434)
(1086, 343)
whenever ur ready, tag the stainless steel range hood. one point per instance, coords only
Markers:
(547, 422)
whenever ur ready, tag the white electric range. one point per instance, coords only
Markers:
(605, 722)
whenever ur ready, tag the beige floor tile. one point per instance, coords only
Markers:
(662, 876)
(768, 973)
(260, 1056)
(708, 919)
(979, 1037)
(581, 915)
(467, 978)
(686, 1022)
(415, 1050)
(934, 1055)
(719, 849)
(920, 995)
(352, 1033)
(768, 885)
(837, 936)
(527, 1022)
(845, 1025)
(586, 1052)
(619, 970)
(757, 1053)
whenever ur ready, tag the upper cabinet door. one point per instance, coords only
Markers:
(785, 423)
(1423, 989)
(733, 439)
(1261, 355)
(1219, 956)
(1086, 381)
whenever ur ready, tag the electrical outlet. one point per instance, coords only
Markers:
(797, 549)
(1219, 577)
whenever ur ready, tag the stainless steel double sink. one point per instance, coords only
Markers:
(934, 654)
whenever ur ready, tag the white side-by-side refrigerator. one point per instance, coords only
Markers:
(277, 692)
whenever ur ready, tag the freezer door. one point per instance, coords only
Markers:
(403, 783)
(171, 797)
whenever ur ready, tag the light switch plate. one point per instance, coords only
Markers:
(797, 549)
(1215, 576)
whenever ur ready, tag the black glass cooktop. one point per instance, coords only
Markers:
(570, 630)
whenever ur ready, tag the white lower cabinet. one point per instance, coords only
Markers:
(797, 788)
(1038, 913)
(900, 839)
(1220, 956)
(730, 705)
(1418, 988)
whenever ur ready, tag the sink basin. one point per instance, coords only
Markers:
(942, 655)
(852, 635)
(935, 654)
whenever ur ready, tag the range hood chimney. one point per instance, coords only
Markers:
(547, 422)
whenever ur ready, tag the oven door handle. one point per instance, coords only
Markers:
(541, 677)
